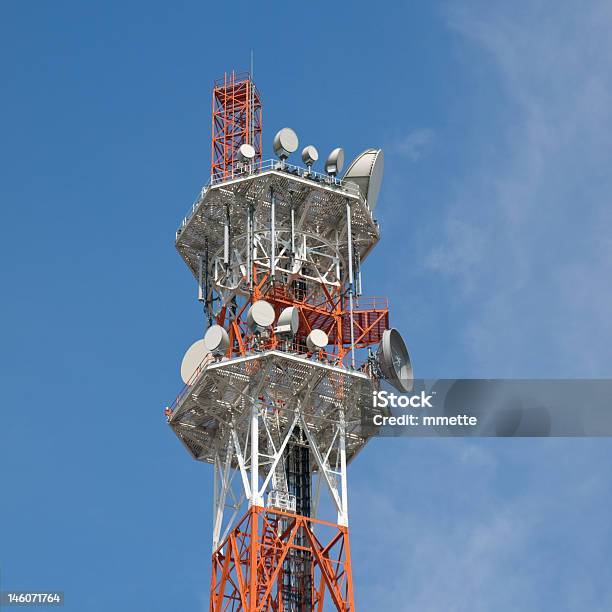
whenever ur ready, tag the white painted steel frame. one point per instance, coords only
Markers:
(240, 414)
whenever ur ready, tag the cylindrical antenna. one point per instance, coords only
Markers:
(272, 233)
(208, 303)
(292, 231)
(252, 245)
(249, 247)
(200, 278)
(358, 264)
(337, 258)
(349, 243)
(226, 238)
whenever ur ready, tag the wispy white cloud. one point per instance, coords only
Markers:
(526, 242)
(461, 252)
(450, 541)
(416, 144)
(528, 237)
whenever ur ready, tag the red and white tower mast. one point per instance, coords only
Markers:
(277, 390)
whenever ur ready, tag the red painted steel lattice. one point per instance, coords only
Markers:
(236, 120)
(248, 568)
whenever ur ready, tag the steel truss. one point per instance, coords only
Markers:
(270, 415)
(236, 119)
(290, 240)
(248, 567)
(240, 415)
(227, 214)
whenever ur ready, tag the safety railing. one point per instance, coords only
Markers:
(370, 303)
(287, 346)
(245, 170)
(281, 500)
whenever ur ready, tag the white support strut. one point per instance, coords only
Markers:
(255, 497)
(323, 465)
(349, 242)
(272, 233)
(343, 514)
(241, 465)
(278, 454)
(221, 495)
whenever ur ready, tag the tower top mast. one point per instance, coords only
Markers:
(236, 120)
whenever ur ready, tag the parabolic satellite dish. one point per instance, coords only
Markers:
(309, 155)
(366, 170)
(317, 339)
(285, 143)
(394, 360)
(216, 340)
(288, 321)
(334, 161)
(246, 153)
(261, 315)
(193, 358)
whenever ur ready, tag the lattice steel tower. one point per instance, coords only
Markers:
(277, 389)
(236, 120)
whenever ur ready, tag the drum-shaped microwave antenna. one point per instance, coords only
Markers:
(309, 155)
(394, 360)
(192, 359)
(216, 340)
(334, 161)
(366, 170)
(317, 339)
(288, 322)
(260, 316)
(246, 153)
(285, 143)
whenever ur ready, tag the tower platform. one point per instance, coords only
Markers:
(216, 403)
(318, 203)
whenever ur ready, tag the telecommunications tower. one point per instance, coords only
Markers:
(277, 389)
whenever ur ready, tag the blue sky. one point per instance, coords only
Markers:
(496, 256)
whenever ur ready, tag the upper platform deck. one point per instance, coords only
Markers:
(318, 202)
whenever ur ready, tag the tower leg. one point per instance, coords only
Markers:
(248, 567)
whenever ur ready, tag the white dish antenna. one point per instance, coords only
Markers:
(334, 162)
(246, 153)
(309, 156)
(394, 360)
(317, 339)
(285, 143)
(366, 170)
(260, 316)
(216, 340)
(288, 322)
(192, 359)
